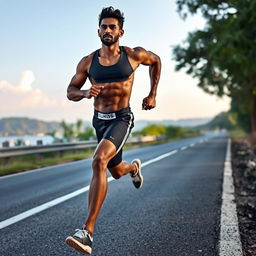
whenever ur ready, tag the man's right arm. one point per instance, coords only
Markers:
(74, 91)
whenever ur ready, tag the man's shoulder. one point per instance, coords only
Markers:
(136, 52)
(88, 58)
(86, 61)
(133, 50)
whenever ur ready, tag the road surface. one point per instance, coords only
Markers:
(177, 211)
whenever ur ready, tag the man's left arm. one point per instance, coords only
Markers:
(153, 61)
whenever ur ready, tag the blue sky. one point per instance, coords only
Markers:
(42, 42)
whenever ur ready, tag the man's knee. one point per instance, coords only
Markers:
(99, 161)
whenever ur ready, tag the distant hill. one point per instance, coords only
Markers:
(189, 122)
(26, 126)
(221, 121)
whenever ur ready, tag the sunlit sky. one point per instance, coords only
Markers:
(42, 42)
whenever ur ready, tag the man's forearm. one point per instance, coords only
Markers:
(154, 74)
(75, 94)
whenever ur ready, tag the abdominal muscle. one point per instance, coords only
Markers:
(114, 96)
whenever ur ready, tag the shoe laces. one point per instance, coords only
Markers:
(83, 232)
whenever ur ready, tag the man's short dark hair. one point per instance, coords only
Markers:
(110, 12)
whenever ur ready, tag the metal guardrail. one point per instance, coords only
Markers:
(6, 153)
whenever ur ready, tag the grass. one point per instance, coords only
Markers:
(24, 163)
(237, 134)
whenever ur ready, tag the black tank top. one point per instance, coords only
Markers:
(114, 73)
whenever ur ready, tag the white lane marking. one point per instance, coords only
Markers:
(159, 158)
(230, 241)
(42, 207)
(183, 148)
(192, 145)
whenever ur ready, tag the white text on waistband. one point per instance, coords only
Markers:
(107, 116)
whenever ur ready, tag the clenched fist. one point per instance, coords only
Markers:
(94, 91)
(148, 103)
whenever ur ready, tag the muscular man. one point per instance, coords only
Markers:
(111, 73)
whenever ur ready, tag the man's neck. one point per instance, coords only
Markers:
(110, 51)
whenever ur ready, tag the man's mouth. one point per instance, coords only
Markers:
(107, 37)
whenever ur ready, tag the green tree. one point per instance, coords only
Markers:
(87, 134)
(68, 131)
(79, 124)
(152, 130)
(19, 142)
(175, 132)
(222, 55)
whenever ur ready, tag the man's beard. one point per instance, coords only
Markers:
(109, 42)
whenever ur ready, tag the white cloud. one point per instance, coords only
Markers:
(24, 100)
(27, 78)
(17, 99)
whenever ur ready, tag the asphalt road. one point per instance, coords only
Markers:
(177, 211)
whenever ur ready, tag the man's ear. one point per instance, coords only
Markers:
(98, 33)
(121, 32)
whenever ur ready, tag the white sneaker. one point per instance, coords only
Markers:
(137, 178)
(80, 241)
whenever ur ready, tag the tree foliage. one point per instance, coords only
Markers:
(222, 55)
(77, 131)
(87, 134)
(68, 130)
(170, 132)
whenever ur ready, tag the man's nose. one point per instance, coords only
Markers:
(107, 29)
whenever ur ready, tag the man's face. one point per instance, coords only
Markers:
(109, 31)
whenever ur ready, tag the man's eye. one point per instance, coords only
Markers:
(112, 27)
(103, 26)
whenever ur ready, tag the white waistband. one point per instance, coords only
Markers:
(107, 116)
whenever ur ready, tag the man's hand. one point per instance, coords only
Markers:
(148, 103)
(94, 91)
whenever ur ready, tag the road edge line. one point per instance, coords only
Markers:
(230, 240)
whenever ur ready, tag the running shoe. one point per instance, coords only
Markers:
(137, 178)
(80, 241)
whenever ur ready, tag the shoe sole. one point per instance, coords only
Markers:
(70, 241)
(140, 174)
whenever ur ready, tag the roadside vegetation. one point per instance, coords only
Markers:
(29, 162)
(222, 57)
(167, 132)
(76, 132)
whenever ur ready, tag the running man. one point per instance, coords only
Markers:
(110, 70)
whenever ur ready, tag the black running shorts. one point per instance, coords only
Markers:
(116, 127)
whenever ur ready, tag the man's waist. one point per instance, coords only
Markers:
(111, 115)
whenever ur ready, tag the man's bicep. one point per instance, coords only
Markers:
(78, 80)
(81, 75)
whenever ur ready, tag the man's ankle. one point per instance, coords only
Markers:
(134, 170)
(88, 230)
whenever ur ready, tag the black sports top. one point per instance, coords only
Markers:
(114, 73)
